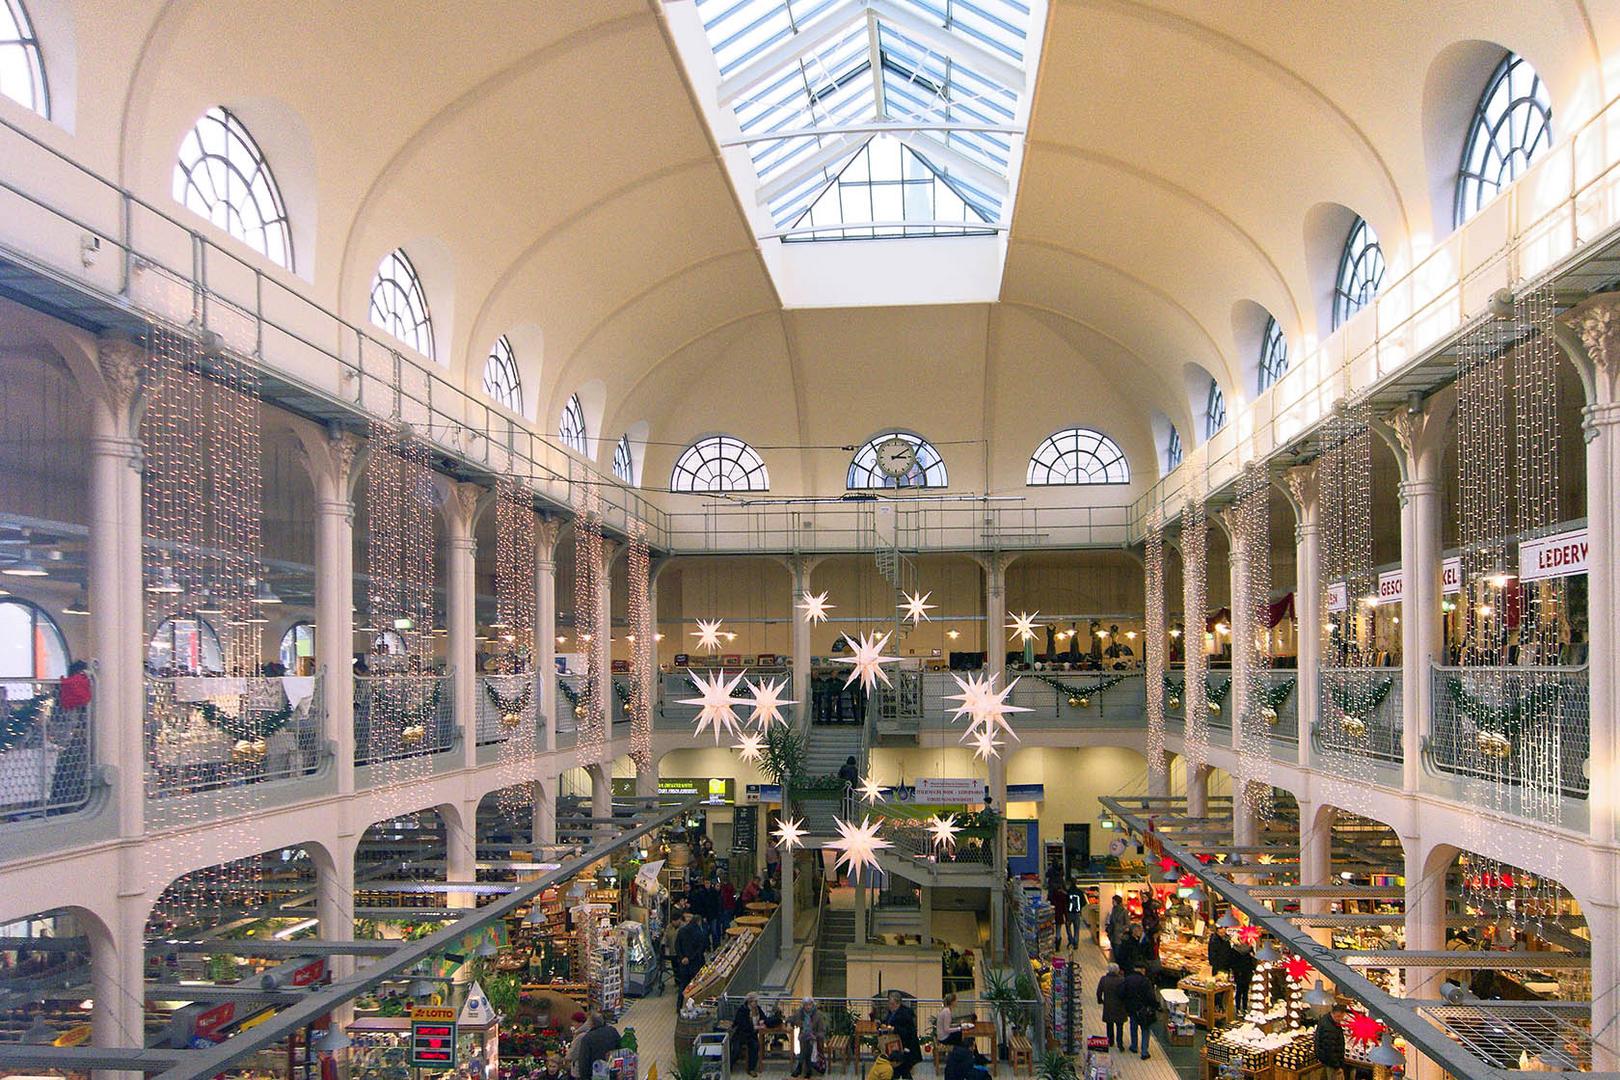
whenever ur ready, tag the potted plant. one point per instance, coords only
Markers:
(1055, 1065)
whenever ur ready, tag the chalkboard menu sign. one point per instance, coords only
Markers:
(744, 828)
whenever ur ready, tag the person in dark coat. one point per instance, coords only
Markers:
(600, 1042)
(1110, 996)
(745, 1033)
(1243, 965)
(1220, 953)
(1142, 1006)
(849, 772)
(1058, 896)
(902, 1018)
(1330, 1042)
(1125, 951)
(690, 945)
(960, 1063)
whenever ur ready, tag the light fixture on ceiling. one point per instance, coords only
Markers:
(163, 583)
(404, 622)
(423, 988)
(39, 1033)
(332, 1041)
(207, 605)
(1385, 1054)
(1266, 953)
(264, 594)
(487, 949)
(562, 639)
(26, 566)
(1228, 921)
(953, 633)
(1320, 1000)
(79, 605)
(658, 637)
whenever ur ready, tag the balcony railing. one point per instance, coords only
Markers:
(916, 842)
(46, 753)
(402, 715)
(210, 732)
(506, 708)
(1359, 713)
(1283, 686)
(674, 686)
(1510, 725)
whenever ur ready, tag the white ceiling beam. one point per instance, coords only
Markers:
(878, 128)
(957, 46)
(958, 164)
(804, 230)
(875, 52)
(834, 151)
(766, 65)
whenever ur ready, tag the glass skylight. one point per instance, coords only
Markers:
(842, 98)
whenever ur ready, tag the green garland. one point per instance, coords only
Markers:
(505, 705)
(568, 692)
(1089, 690)
(19, 720)
(1216, 692)
(1507, 721)
(1272, 697)
(247, 725)
(1359, 705)
(621, 690)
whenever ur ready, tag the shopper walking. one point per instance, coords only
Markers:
(1058, 897)
(1142, 1006)
(1243, 964)
(812, 1027)
(1111, 996)
(1119, 922)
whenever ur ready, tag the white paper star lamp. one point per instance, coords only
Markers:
(868, 660)
(917, 607)
(715, 704)
(870, 789)
(815, 607)
(975, 693)
(985, 746)
(766, 701)
(857, 845)
(708, 635)
(790, 833)
(1023, 625)
(992, 713)
(750, 745)
(942, 830)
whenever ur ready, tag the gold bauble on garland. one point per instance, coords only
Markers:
(1174, 702)
(580, 711)
(1353, 726)
(1494, 744)
(510, 721)
(247, 750)
(1214, 707)
(1076, 701)
(412, 734)
(1269, 715)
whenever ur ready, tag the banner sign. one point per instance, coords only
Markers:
(1337, 597)
(1563, 555)
(1390, 587)
(1026, 792)
(949, 790)
(1451, 575)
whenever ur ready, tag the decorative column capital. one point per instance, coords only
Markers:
(1597, 419)
(1596, 322)
(123, 364)
(1301, 484)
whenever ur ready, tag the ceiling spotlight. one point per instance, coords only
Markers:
(1319, 999)
(1266, 953)
(562, 639)
(332, 1041)
(953, 633)
(487, 949)
(264, 594)
(1385, 1053)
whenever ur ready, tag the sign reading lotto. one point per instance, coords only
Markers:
(1557, 556)
(949, 790)
(433, 1037)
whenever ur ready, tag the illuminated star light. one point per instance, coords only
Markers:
(790, 833)
(857, 845)
(917, 607)
(985, 746)
(750, 747)
(870, 789)
(942, 830)
(766, 701)
(1023, 625)
(815, 607)
(708, 635)
(715, 704)
(975, 693)
(992, 713)
(867, 660)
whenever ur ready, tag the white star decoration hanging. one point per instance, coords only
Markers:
(985, 746)
(790, 833)
(715, 704)
(766, 701)
(867, 660)
(815, 606)
(750, 746)
(857, 845)
(1023, 625)
(870, 789)
(942, 830)
(917, 607)
(992, 712)
(708, 635)
(975, 693)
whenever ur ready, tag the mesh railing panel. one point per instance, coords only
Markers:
(210, 732)
(1384, 725)
(45, 761)
(1460, 744)
(506, 705)
(410, 700)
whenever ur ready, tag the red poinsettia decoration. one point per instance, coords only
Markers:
(1187, 881)
(1167, 863)
(1206, 859)
(1248, 934)
(1364, 1028)
(1297, 968)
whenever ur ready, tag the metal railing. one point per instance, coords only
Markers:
(45, 761)
(1286, 705)
(675, 686)
(506, 707)
(1359, 713)
(402, 715)
(204, 733)
(1499, 724)
(914, 841)
(1055, 699)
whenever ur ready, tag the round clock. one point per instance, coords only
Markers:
(896, 457)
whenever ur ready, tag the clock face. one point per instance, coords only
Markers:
(896, 457)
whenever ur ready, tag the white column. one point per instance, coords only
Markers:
(1301, 487)
(545, 812)
(461, 615)
(603, 645)
(460, 850)
(1425, 928)
(1197, 789)
(1603, 924)
(1601, 424)
(1245, 827)
(995, 666)
(800, 566)
(330, 462)
(1315, 859)
(334, 899)
(785, 912)
(647, 779)
(118, 982)
(545, 628)
(601, 793)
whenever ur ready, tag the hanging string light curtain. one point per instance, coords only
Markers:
(1195, 602)
(1251, 637)
(588, 621)
(513, 677)
(638, 602)
(1154, 644)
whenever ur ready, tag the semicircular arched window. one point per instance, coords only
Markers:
(1273, 353)
(32, 646)
(1078, 456)
(501, 380)
(571, 426)
(1361, 271)
(399, 303)
(927, 467)
(719, 463)
(185, 645)
(222, 175)
(22, 65)
(1214, 409)
(1512, 124)
(624, 462)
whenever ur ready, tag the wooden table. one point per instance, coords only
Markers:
(751, 920)
(762, 907)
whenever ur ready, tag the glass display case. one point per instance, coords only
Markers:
(642, 958)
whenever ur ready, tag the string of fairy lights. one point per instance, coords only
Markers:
(513, 643)
(1251, 637)
(1195, 601)
(1155, 642)
(638, 609)
(588, 622)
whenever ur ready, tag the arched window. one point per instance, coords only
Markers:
(571, 426)
(31, 644)
(398, 304)
(297, 645)
(185, 645)
(624, 465)
(1172, 450)
(1214, 409)
(22, 68)
(501, 381)
(1361, 269)
(927, 469)
(719, 463)
(1512, 124)
(222, 175)
(1078, 456)
(1273, 354)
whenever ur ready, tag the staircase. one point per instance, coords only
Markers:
(827, 747)
(837, 934)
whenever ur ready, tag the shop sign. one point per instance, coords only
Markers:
(310, 974)
(1026, 792)
(949, 790)
(433, 1037)
(1451, 575)
(711, 789)
(1390, 587)
(1563, 555)
(212, 1022)
(1337, 597)
(753, 794)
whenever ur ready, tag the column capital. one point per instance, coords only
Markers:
(123, 368)
(1596, 322)
(460, 505)
(1595, 419)
(1300, 484)
(1304, 532)
(1413, 489)
(463, 543)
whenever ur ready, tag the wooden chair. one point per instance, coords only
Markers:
(840, 1047)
